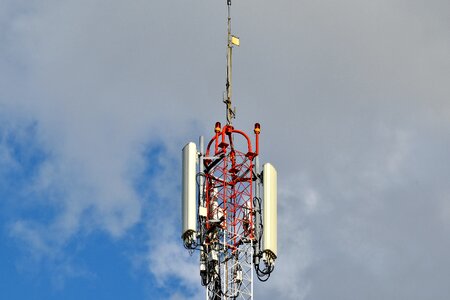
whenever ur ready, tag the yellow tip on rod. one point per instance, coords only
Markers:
(235, 40)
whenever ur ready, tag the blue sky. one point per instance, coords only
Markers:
(88, 266)
(98, 97)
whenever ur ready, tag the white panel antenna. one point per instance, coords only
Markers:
(270, 211)
(189, 193)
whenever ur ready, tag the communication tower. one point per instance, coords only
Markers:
(229, 204)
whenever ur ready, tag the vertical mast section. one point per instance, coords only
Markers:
(230, 113)
(222, 205)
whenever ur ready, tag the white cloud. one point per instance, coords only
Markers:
(353, 102)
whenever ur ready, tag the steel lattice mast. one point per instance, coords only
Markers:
(224, 219)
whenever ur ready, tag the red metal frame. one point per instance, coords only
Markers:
(229, 184)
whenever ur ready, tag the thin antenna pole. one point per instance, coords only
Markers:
(230, 113)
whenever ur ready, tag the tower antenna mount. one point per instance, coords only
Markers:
(229, 204)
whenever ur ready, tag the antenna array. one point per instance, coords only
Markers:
(229, 204)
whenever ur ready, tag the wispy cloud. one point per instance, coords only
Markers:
(353, 102)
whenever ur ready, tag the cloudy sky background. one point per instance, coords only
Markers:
(98, 97)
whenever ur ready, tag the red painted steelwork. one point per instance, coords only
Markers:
(229, 185)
